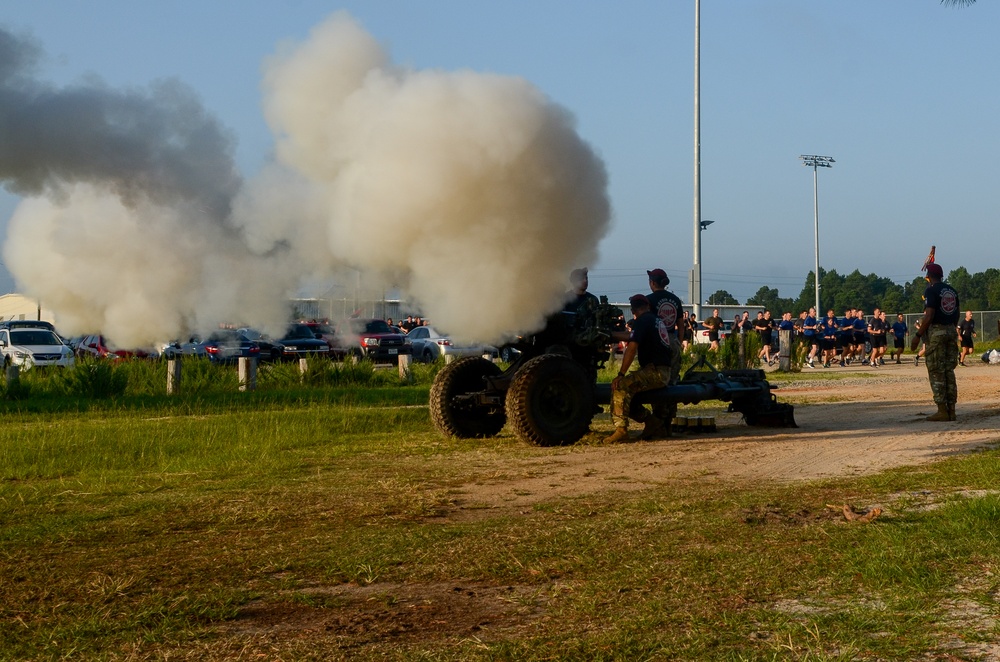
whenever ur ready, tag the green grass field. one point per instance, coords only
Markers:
(320, 521)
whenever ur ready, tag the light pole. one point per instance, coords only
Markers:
(816, 162)
(695, 279)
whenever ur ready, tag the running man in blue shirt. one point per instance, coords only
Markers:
(810, 332)
(899, 333)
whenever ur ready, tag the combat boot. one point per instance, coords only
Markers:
(654, 429)
(941, 414)
(619, 435)
(951, 412)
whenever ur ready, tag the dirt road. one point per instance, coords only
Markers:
(870, 420)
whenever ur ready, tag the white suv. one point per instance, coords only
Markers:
(27, 347)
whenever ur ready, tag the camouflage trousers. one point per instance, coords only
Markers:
(941, 358)
(666, 411)
(646, 378)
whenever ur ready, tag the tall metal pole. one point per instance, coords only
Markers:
(815, 162)
(816, 232)
(696, 271)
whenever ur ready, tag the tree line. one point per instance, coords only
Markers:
(979, 291)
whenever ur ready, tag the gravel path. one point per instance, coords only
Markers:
(851, 426)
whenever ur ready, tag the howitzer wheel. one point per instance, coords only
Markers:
(550, 401)
(464, 419)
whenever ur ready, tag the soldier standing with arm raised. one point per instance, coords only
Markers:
(938, 328)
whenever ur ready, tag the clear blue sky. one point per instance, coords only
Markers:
(902, 93)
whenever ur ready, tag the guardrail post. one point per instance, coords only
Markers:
(12, 373)
(247, 374)
(784, 350)
(404, 366)
(303, 367)
(173, 376)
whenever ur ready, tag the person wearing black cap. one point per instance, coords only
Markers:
(649, 342)
(938, 328)
(668, 307)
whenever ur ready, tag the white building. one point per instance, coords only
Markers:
(20, 307)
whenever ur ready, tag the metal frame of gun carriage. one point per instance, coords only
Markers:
(550, 394)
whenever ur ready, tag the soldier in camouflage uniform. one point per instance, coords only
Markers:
(583, 309)
(650, 343)
(938, 329)
(584, 306)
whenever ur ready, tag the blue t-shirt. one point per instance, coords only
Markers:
(899, 329)
(830, 327)
(809, 322)
(786, 325)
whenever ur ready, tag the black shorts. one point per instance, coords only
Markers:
(713, 336)
(878, 341)
(828, 343)
(859, 337)
(899, 343)
(967, 342)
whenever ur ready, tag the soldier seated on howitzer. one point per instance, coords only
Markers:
(649, 342)
(584, 307)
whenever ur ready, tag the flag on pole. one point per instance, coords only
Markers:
(929, 260)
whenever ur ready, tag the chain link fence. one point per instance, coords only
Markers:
(987, 323)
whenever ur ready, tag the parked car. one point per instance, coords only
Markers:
(270, 349)
(428, 345)
(370, 339)
(193, 346)
(324, 330)
(701, 333)
(223, 346)
(98, 346)
(29, 347)
(298, 341)
(26, 324)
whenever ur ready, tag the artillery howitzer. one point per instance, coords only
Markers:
(549, 394)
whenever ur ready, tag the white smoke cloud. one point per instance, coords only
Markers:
(471, 191)
(139, 273)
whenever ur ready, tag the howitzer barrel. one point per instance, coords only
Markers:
(688, 393)
(747, 392)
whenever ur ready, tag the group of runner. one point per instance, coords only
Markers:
(832, 340)
(847, 339)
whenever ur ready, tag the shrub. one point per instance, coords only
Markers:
(95, 379)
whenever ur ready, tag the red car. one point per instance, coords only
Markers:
(97, 346)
